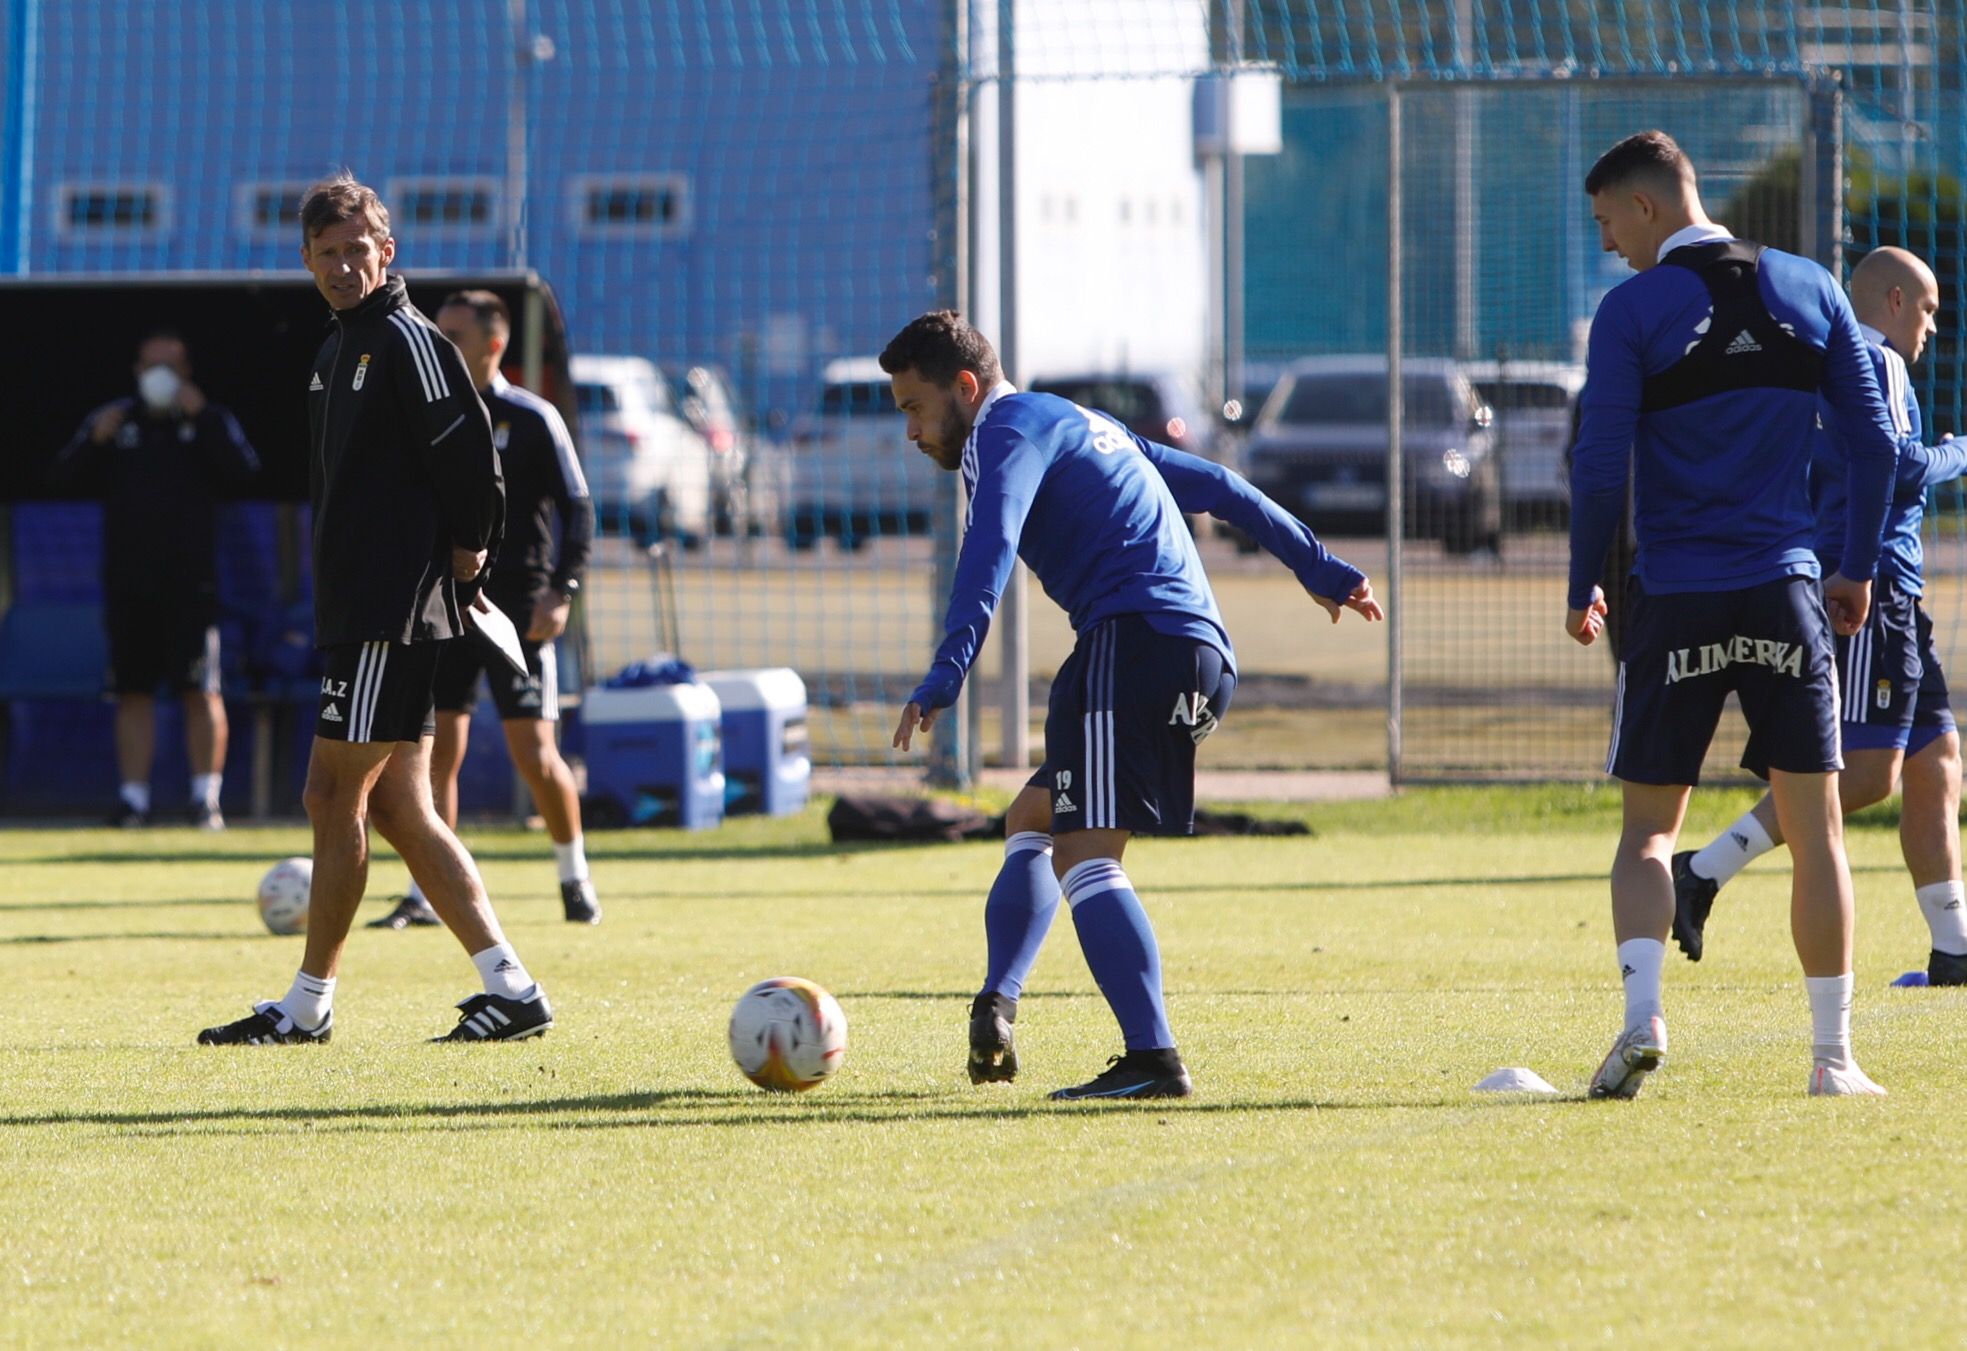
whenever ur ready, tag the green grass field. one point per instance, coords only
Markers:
(1333, 1183)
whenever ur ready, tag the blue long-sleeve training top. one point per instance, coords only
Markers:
(1720, 484)
(1096, 512)
(1901, 558)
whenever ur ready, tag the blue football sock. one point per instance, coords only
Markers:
(1019, 912)
(1120, 950)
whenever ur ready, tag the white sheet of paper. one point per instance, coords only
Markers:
(496, 631)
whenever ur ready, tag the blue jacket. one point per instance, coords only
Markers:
(1901, 559)
(1097, 514)
(1721, 485)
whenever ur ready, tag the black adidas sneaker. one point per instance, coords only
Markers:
(1135, 1075)
(410, 913)
(268, 1025)
(496, 1017)
(1693, 898)
(993, 1050)
(1943, 968)
(579, 901)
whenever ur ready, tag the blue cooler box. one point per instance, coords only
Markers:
(764, 739)
(654, 756)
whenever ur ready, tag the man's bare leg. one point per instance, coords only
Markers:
(536, 756)
(136, 748)
(1812, 818)
(1929, 837)
(513, 1005)
(1642, 916)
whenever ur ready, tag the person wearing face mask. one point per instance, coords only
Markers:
(159, 458)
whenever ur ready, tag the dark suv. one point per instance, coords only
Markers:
(1320, 444)
(1156, 407)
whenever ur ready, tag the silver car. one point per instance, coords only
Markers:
(1534, 402)
(1319, 450)
(648, 470)
(851, 472)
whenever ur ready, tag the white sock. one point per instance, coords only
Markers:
(310, 999)
(1945, 906)
(1830, 1018)
(502, 971)
(416, 893)
(1028, 839)
(1732, 850)
(1641, 961)
(572, 858)
(136, 796)
(205, 789)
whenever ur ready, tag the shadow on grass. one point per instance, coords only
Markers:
(599, 851)
(26, 940)
(682, 1108)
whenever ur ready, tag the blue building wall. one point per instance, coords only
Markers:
(803, 132)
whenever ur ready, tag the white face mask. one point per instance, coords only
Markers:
(159, 386)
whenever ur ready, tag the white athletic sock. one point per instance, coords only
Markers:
(572, 858)
(310, 999)
(205, 789)
(136, 796)
(502, 971)
(416, 893)
(1830, 1018)
(1732, 850)
(1641, 961)
(1945, 906)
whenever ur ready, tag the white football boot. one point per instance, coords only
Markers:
(1842, 1081)
(1637, 1053)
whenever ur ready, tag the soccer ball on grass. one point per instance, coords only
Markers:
(787, 1034)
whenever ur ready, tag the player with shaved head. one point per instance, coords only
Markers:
(1898, 727)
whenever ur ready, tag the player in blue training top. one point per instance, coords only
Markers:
(1897, 721)
(1704, 373)
(1097, 513)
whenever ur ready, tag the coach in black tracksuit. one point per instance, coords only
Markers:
(408, 504)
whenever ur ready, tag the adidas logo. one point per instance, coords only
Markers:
(505, 964)
(1741, 840)
(1063, 804)
(1742, 343)
(315, 383)
(1625, 971)
(331, 714)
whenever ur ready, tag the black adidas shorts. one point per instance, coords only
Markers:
(534, 696)
(1128, 709)
(1771, 645)
(169, 640)
(378, 691)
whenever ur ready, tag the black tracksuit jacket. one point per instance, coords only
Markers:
(401, 469)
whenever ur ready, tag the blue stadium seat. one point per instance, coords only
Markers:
(52, 650)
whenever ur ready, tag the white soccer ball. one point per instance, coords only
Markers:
(283, 895)
(787, 1034)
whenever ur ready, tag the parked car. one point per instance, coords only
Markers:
(852, 472)
(703, 396)
(1319, 449)
(1157, 406)
(649, 473)
(1533, 403)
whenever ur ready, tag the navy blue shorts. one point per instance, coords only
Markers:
(1128, 709)
(1770, 645)
(1891, 676)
